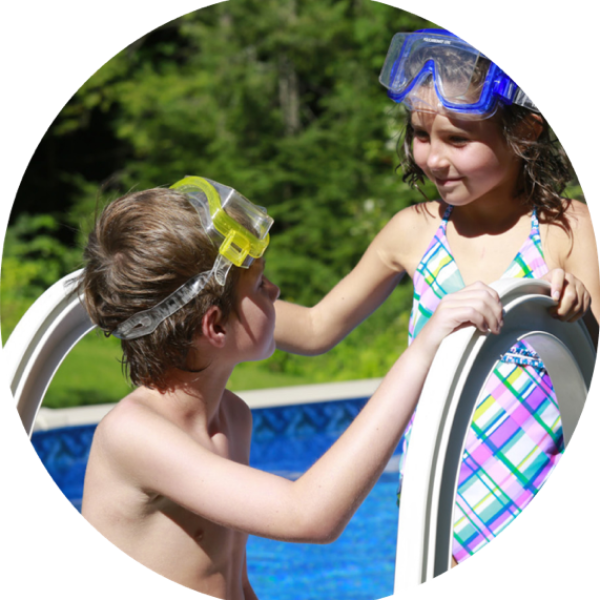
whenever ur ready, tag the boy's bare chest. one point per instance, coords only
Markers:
(167, 537)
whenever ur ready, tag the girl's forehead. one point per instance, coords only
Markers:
(443, 120)
(428, 119)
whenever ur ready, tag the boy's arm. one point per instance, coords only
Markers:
(157, 457)
(316, 330)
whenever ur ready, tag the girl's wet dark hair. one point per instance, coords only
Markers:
(546, 167)
(143, 247)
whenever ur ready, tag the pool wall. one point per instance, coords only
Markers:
(287, 440)
(292, 428)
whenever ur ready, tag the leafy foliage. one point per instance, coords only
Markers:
(279, 99)
(33, 260)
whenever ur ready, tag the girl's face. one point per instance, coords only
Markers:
(467, 160)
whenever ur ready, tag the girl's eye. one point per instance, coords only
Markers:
(458, 140)
(421, 136)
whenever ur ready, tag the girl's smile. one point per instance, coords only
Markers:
(467, 160)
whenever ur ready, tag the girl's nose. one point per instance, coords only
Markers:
(437, 158)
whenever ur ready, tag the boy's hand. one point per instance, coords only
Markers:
(477, 305)
(573, 299)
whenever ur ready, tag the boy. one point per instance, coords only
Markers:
(177, 274)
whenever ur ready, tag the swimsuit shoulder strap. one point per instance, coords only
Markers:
(446, 218)
(535, 224)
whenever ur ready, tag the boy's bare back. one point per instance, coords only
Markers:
(168, 480)
(119, 499)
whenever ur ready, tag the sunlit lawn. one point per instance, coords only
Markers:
(91, 374)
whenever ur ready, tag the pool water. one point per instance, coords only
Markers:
(359, 565)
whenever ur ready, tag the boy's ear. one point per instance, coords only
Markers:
(213, 327)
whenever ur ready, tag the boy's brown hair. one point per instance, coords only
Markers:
(143, 247)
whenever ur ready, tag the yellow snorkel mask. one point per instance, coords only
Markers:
(237, 227)
(215, 203)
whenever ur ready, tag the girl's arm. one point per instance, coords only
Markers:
(156, 456)
(316, 330)
(576, 254)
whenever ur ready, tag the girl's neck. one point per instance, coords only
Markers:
(491, 215)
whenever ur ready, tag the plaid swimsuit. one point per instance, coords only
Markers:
(515, 439)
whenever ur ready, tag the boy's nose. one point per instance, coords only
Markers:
(274, 290)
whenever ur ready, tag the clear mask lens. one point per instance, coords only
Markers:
(238, 228)
(464, 80)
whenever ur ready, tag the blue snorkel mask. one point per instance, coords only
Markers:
(435, 71)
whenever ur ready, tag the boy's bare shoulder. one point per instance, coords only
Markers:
(235, 403)
(135, 412)
(237, 409)
(124, 420)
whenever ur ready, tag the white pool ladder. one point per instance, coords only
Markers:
(39, 343)
(461, 366)
(58, 320)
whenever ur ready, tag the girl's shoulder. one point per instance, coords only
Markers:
(409, 232)
(418, 220)
(576, 216)
(564, 238)
(423, 213)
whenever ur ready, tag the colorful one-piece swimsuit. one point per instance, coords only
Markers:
(515, 439)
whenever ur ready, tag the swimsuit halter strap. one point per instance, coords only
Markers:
(535, 224)
(446, 218)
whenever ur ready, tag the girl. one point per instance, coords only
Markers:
(488, 151)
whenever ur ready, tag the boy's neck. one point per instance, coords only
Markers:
(193, 399)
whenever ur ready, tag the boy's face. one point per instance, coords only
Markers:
(254, 320)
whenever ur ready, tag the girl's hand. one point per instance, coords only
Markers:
(477, 305)
(573, 299)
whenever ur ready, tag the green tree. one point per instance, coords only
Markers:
(279, 99)
(33, 260)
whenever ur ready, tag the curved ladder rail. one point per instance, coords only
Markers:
(58, 320)
(462, 365)
(43, 337)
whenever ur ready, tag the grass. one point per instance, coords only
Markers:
(91, 373)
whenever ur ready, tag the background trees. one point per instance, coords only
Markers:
(279, 99)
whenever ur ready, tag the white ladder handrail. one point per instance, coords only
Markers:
(445, 411)
(55, 322)
(58, 320)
